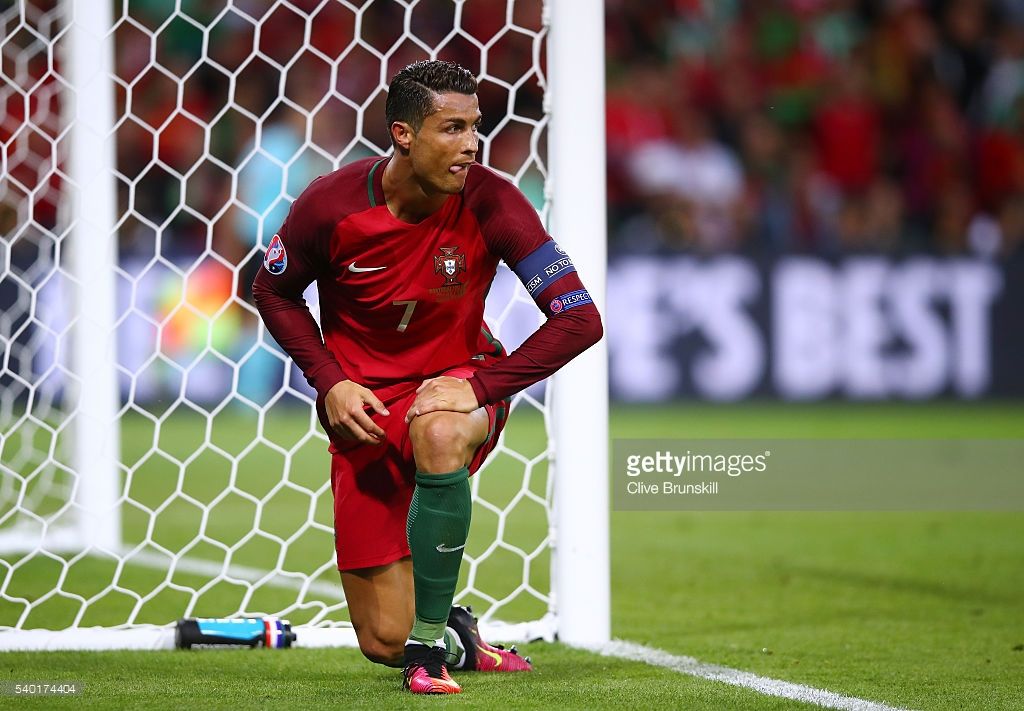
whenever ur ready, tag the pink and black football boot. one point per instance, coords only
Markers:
(480, 655)
(425, 671)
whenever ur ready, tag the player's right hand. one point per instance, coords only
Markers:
(346, 416)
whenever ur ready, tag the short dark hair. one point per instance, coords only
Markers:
(412, 89)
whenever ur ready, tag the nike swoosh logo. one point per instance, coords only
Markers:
(492, 655)
(442, 548)
(355, 270)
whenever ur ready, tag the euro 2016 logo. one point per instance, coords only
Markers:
(449, 265)
(276, 259)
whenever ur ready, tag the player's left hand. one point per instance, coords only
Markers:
(442, 394)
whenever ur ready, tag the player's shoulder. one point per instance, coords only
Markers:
(490, 195)
(339, 185)
(334, 196)
(508, 222)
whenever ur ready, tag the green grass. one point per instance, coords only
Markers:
(923, 610)
(920, 609)
(340, 678)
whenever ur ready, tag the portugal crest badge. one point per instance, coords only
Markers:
(449, 265)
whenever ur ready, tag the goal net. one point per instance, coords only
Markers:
(159, 455)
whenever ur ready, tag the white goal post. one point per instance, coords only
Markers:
(138, 489)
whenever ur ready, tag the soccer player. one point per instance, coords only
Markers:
(412, 388)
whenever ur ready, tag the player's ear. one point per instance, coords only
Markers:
(401, 136)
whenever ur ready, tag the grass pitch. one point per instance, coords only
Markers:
(921, 610)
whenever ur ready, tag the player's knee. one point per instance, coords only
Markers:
(440, 436)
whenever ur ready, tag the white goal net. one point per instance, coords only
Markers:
(159, 456)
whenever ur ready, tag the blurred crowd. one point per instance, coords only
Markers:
(824, 126)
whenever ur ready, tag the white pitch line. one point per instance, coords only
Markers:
(763, 685)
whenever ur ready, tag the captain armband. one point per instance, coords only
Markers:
(543, 266)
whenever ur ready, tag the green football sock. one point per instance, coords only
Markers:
(437, 528)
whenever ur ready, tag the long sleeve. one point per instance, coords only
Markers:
(558, 340)
(514, 233)
(293, 260)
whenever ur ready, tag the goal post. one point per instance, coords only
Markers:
(93, 264)
(580, 400)
(147, 472)
(85, 261)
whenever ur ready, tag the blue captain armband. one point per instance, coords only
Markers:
(543, 266)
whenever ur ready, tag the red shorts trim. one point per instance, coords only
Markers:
(373, 484)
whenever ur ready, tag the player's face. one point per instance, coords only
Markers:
(446, 144)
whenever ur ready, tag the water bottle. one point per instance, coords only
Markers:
(200, 633)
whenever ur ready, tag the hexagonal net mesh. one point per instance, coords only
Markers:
(217, 502)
